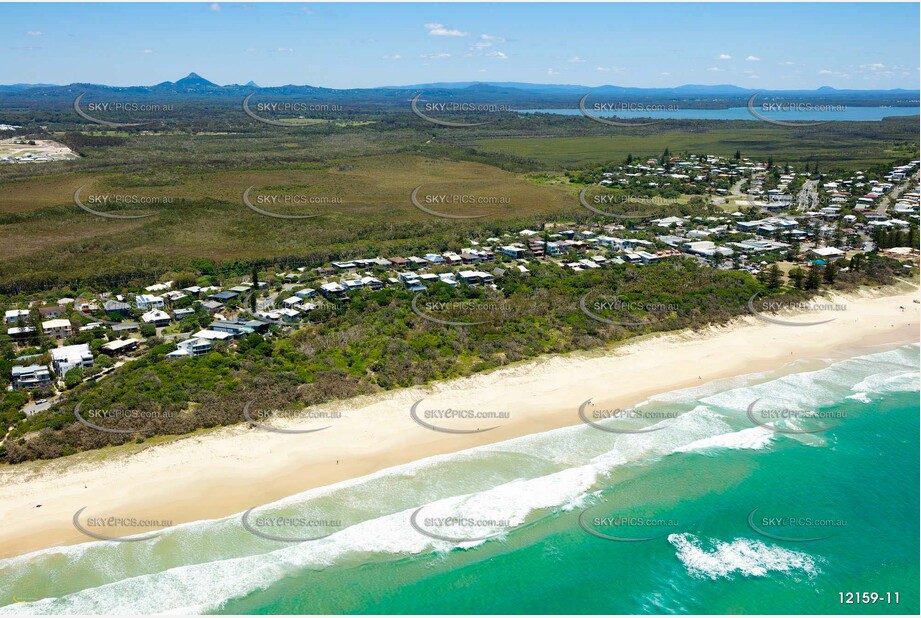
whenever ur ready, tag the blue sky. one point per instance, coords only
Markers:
(775, 46)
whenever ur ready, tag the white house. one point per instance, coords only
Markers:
(14, 315)
(156, 317)
(146, 302)
(69, 357)
(30, 376)
(191, 347)
(57, 329)
(827, 253)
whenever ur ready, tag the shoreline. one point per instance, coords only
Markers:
(225, 471)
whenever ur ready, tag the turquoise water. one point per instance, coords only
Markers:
(850, 114)
(694, 483)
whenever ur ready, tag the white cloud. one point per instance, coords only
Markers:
(284, 50)
(438, 56)
(752, 59)
(215, 6)
(827, 72)
(876, 66)
(552, 72)
(611, 69)
(481, 71)
(724, 57)
(440, 30)
(497, 55)
(34, 33)
(788, 63)
(715, 69)
(147, 51)
(576, 59)
(665, 73)
(392, 57)
(481, 45)
(252, 50)
(489, 37)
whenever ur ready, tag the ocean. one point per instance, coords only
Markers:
(788, 492)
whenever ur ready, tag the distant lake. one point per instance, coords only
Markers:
(851, 114)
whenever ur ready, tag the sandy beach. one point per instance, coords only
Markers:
(226, 471)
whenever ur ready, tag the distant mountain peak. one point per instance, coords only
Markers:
(251, 84)
(194, 79)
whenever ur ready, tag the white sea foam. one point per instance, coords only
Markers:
(715, 559)
(753, 438)
(203, 587)
(587, 454)
(897, 382)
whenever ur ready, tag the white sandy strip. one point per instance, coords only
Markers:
(226, 471)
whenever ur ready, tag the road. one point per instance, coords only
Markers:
(35, 408)
(895, 193)
(808, 198)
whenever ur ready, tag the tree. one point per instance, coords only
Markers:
(857, 262)
(773, 277)
(797, 276)
(35, 321)
(831, 272)
(73, 377)
(813, 278)
(839, 235)
(738, 155)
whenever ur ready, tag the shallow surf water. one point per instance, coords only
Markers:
(709, 513)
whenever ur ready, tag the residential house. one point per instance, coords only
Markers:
(513, 251)
(57, 329)
(126, 327)
(372, 283)
(213, 335)
(117, 308)
(156, 317)
(475, 277)
(191, 347)
(18, 333)
(211, 306)
(146, 302)
(399, 262)
(15, 315)
(333, 291)
(826, 253)
(223, 297)
(180, 314)
(119, 346)
(30, 376)
(51, 312)
(235, 329)
(69, 357)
